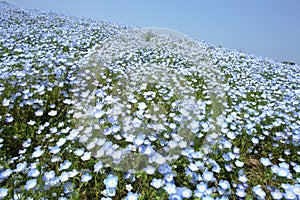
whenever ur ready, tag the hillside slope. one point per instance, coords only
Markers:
(46, 69)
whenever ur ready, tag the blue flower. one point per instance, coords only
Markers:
(30, 184)
(111, 181)
(297, 168)
(185, 192)
(34, 172)
(296, 189)
(175, 197)
(111, 192)
(86, 156)
(157, 183)
(3, 192)
(289, 194)
(277, 194)
(164, 168)
(132, 196)
(79, 152)
(169, 177)
(150, 170)
(6, 173)
(224, 184)
(69, 187)
(265, 161)
(86, 178)
(54, 150)
(98, 166)
(64, 176)
(170, 188)
(283, 172)
(65, 165)
(201, 187)
(243, 178)
(239, 163)
(38, 152)
(259, 192)
(21, 167)
(240, 193)
(207, 197)
(208, 176)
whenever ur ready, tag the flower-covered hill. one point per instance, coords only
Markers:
(42, 154)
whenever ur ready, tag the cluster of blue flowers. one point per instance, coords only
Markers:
(45, 154)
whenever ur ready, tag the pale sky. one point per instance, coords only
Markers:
(268, 28)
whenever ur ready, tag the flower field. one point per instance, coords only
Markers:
(91, 109)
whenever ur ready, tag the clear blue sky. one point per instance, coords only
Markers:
(269, 28)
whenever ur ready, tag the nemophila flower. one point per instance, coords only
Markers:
(65, 165)
(277, 194)
(132, 196)
(296, 189)
(5, 102)
(289, 194)
(21, 167)
(265, 161)
(54, 150)
(86, 156)
(228, 167)
(86, 178)
(150, 170)
(208, 176)
(193, 167)
(68, 187)
(283, 172)
(185, 192)
(111, 181)
(170, 188)
(139, 140)
(49, 175)
(38, 152)
(240, 193)
(255, 140)
(34, 173)
(30, 184)
(275, 169)
(61, 142)
(56, 159)
(39, 113)
(175, 197)
(98, 166)
(284, 165)
(53, 130)
(9, 119)
(157, 183)
(31, 123)
(164, 168)
(243, 178)
(169, 177)
(224, 184)
(64, 176)
(202, 187)
(52, 113)
(79, 152)
(259, 192)
(239, 163)
(111, 192)
(6, 173)
(3, 192)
